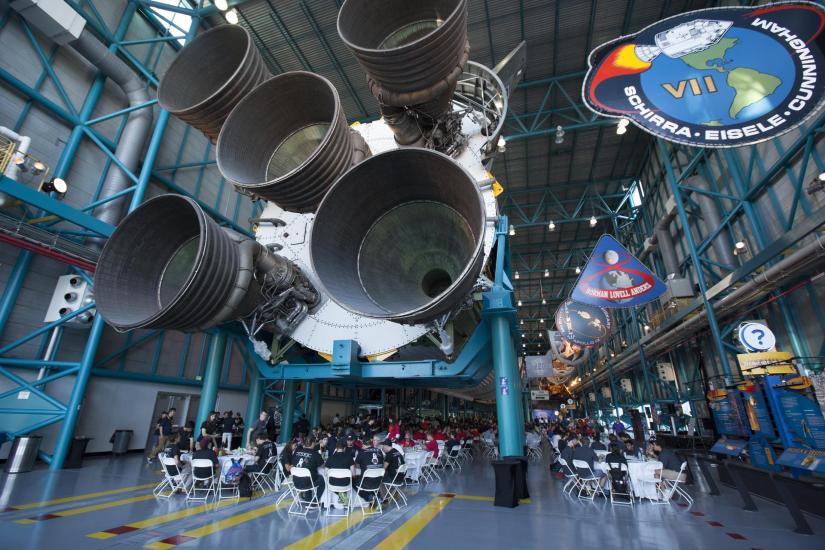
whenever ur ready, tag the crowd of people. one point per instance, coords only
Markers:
(216, 432)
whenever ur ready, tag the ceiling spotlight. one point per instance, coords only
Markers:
(55, 185)
(501, 145)
(222, 5)
(544, 301)
(559, 134)
(621, 128)
(551, 226)
(541, 320)
(578, 270)
(519, 303)
(740, 248)
(523, 335)
(512, 231)
(522, 321)
(231, 17)
(612, 354)
(546, 272)
(38, 168)
(816, 184)
(524, 345)
(593, 221)
(21, 163)
(647, 328)
(516, 275)
(624, 344)
(541, 335)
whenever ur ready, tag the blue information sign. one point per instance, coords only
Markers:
(805, 459)
(613, 277)
(804, 419)
(730, 447)
(729, 415)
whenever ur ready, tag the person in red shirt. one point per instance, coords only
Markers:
(408, 440)
(419, 436)
(394, 431)
(438, 436)
(425, 425)
(432, 445)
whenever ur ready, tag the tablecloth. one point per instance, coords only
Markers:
(639, 471)
(415, 461)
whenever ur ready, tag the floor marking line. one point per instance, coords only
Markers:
(64, 500)
(157, 520)
(214, 527)
(410, 528)
(327, 532)
(484, 498)
(68, 512)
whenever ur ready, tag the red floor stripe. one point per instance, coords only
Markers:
(8, 509)
(737, 536)
(447, 495)
(177, 539)
(120, 530)
(44, 517)
(715, 524)
(698, 514)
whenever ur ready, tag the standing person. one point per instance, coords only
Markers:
(188, 436)
(394, 431)
(261, 426)
(170, 414)
(273, 425)
(163, 429)
(208, 432)
(227, 425)
(237, 429)
(336, 419)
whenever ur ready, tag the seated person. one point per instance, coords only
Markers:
(597, 445)
(451, 443)
(567, 453)
(419, 435)
(286, 457)
(307, 456)
(584, 453)
(392, 461)
(671, 463)
(615, 456)
(172, 450)
(408, 441)
(370, 458)
(351, 448)
(432, 444)
(204, 452)
(265, 450)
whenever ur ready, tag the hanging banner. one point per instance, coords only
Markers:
(583, 324)
(538, 366)
(539, 395)
(718, 77)
(613, 277)
(565, 354)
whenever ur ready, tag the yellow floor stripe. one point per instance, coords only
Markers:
(214, 527)
(165, 518)
(410, 528)
(91, 508)
(327, 532)
(75, 498)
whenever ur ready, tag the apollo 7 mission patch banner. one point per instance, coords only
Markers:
(719, 77)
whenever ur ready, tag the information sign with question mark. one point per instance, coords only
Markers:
(756, 337)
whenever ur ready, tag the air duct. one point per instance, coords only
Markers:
(287, 141)
(413, 54)
(400, 236)
(169, 266)
(209, 76)
(668, 252)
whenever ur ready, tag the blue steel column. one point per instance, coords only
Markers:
(211, 377)
(501, 314)
(694, 257)
(288, 412)
(315, 411)
(254, 401)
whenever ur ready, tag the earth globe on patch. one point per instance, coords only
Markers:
(752, 74)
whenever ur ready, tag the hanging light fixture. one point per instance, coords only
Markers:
(541, 320)
(543, 302)
(222, 5)
(231, 17)
(559, 135)
(519, 303)
(621, 128)
(740, 248)
(512, 231)
(501, 145)
(517, 275)
(546, 272)
(551, 226)
(578, 270)
(593, 221)
(522, 321)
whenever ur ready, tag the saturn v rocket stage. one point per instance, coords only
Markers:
(377, 232)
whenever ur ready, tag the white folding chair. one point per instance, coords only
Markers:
(284, 483)
(304, 492)
(343, 476)
(571, 476)
(263, 479)
(452, 459)
(616, 484)
(370, 483)
(393, 488)
(589, 483)
(228, 491)
(534, 452)
(173, 478)
(428, 471)
(206, 482)
(669, 487)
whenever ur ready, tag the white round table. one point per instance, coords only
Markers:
(642, 475)
(415, 461)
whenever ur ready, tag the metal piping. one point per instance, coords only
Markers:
(13, 170)
(665, 242)
(135, 131)
(722, 244)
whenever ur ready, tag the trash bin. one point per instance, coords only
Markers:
(23, 453)
(521, 476)
(505, 471)
(120, 441)
(74, 459)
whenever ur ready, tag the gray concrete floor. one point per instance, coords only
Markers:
(132, 518)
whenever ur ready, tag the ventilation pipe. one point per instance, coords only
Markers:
(722, 244)
(135, 131)
(413, 54)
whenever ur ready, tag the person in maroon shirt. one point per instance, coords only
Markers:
(438, 436)
(419, 436)
(408, 440)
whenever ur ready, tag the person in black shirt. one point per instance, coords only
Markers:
(598, 445)
(671, 463)
(172, 450)
(351, 448)
(209, 429)
(370, 458)
(227, 425)
(205, 452)
(615, 456)
(187, 438)
(259, 427)
(450, 443)
(162, 429)
(588, 455)
(340, 458)
(308, 457)
(265, 450)
(392, 461)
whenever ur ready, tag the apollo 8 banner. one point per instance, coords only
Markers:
(719, 77)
